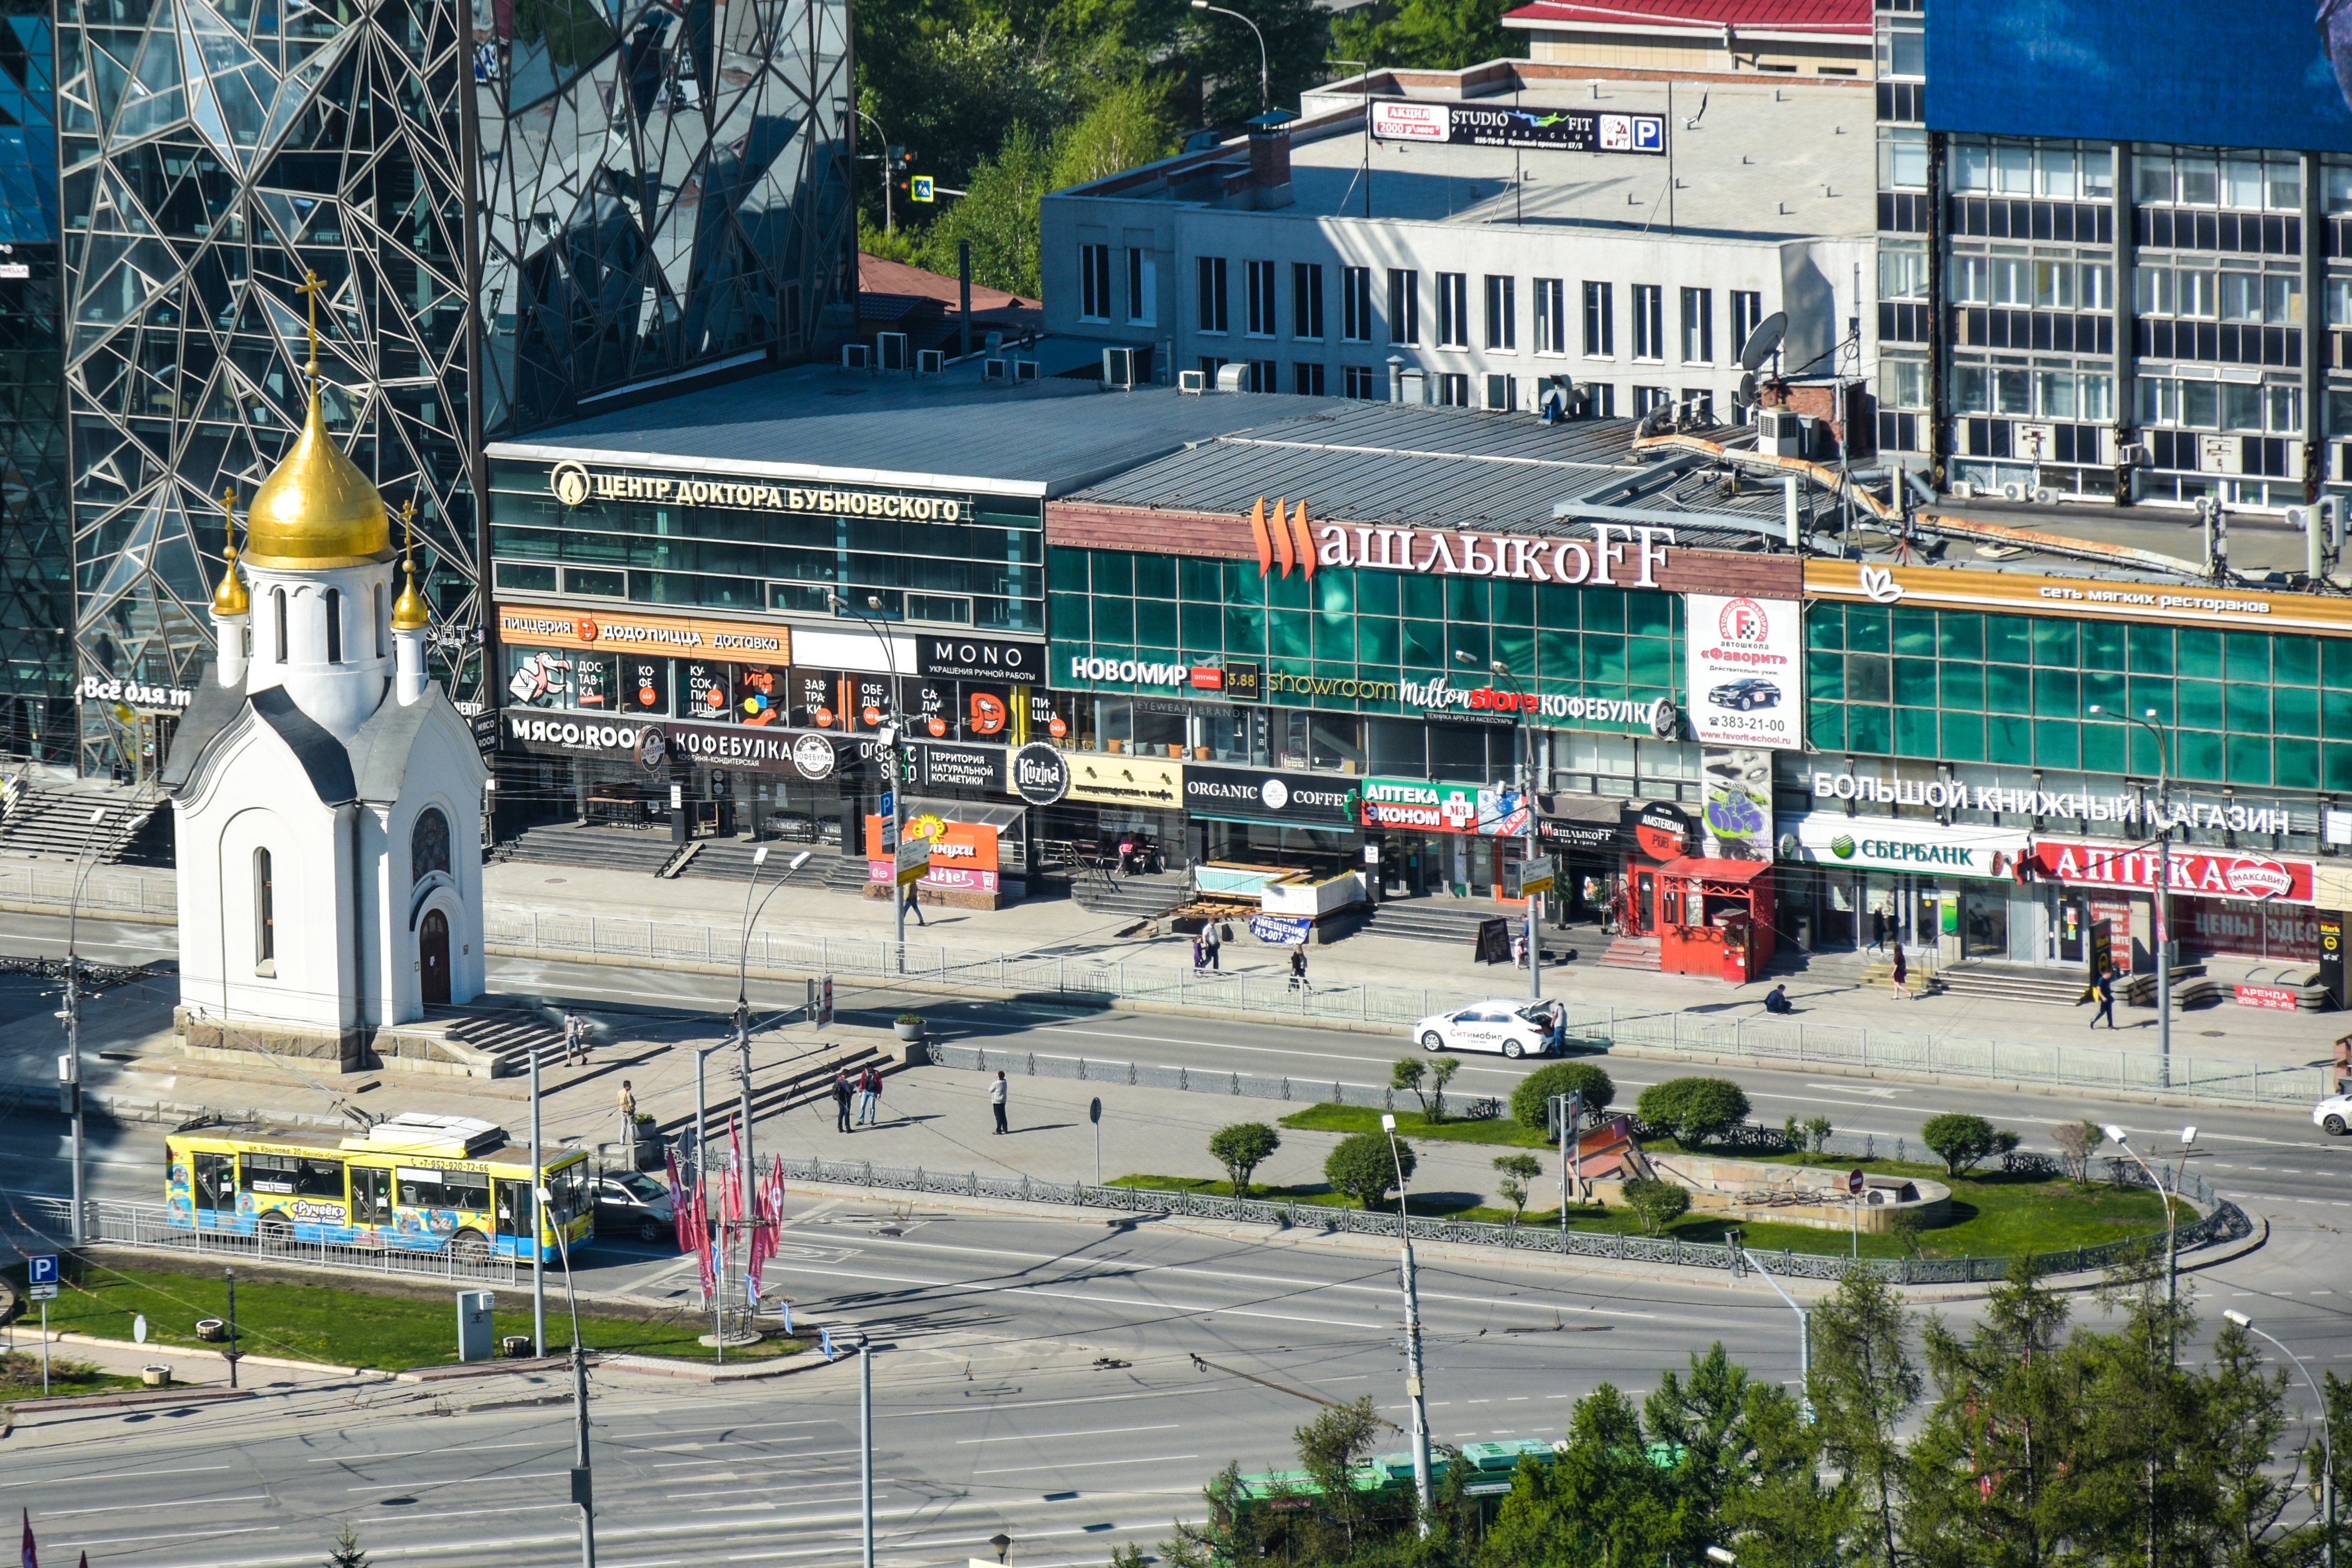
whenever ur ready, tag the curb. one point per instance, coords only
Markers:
(491, 1368)
(127, 1398)
(62, 1336)
(663, 1367)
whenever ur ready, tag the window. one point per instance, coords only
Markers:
(2195, 294)
(1604, 398)
(1210, 365)
(1551, 316)
(2282, 299)
(1356, 381)
(1647, 398)
(1748, 310)
(1094, 283)
(1906, 384)
(2339, 301)
(1600, 320)
(2241, 297)
(375, 616)
(1502, 314)
(1972, 280)
(1355, 304)
(1701, 403)
(1210, 274)
(1260, 281)
(2012, 281)
(1454, 387)
(1264, 376)
(2097, 285)
(334, 625)
(1404, 306)
(293, 1176)
(1903, 159)
(427, 1189)
(2053, 285)
(1142, 287)
(2152, 290)
(1453, 309)
(1649, 322)
(1502, 395)
(1307, 380)
(278, 621)
(2283, 405)
(428, 845)
(264, 914)
(1698, 326)
(1307, 301)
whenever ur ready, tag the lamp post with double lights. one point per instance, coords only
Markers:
(2326, 1437)
(1412, 1387)
(2145, 719)
(889, 735)
(1502, 672)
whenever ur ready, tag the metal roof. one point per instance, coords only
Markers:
(1409, 465)
(817, 423)
(1847, 16)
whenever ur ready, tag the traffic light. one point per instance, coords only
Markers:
(897, 160)
(820, 1002)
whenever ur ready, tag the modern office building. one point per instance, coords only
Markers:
(1469, 237)
(512, 212)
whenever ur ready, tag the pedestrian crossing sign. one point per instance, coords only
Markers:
(920, 189)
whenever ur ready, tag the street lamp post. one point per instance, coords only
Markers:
(889, 218)
(70, 1070)
(1502, 672)
(2145, 719)
(866, 1449)
(2171, 1232)
(1265, 101)
(701, 1189)
(1412, 1389)
(1804, 1330)
(2326, 1438)
(583, 1482)
(889, 736)
(743, 1018)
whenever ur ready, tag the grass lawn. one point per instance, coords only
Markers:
(1502, 1129)
(332, 1323)
(20, 1378)
(1991, 1215)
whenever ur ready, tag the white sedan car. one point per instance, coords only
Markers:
(1514, 1028)
(2334, 1114)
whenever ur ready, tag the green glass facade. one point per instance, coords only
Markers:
(2245, 709)
(1382, 628)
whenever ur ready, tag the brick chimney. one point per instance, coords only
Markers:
(1265, 184)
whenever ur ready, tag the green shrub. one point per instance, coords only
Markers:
(1530, 1099)
(1655, 1203)
(1241, 1149)
(1363, 1168)
(1960, 1140)
(1694, 1110)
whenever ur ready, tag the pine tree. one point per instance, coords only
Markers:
(2140, 1496)
(1864, 1385)
(346, 1552)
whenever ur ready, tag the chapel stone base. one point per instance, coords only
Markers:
(246, 1039)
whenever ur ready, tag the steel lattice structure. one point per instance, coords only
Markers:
(513, 208)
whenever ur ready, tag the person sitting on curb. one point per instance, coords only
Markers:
(1776, 1000)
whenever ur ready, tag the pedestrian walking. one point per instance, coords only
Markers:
(1518, 951)
(1902, 971)
(841, 1093)
(1200, 952)
(1298, 971)
(1216, 941)
(1127, 856)
(997, 1091)
(2105, 986)
(915, 906)
(869, 1087)
(575, 1039)
(1878, 931)
(629, 1122)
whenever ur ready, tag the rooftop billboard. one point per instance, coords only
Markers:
(2222, 73)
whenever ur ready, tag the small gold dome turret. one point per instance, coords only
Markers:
(316, 510)
(229, 599)
(410, 612)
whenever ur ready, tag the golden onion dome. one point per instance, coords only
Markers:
(229, 599)
(317, 509)
(409, 612)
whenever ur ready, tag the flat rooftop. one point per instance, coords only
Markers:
(818, 423)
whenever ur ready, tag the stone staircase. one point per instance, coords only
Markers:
(509, 1037)
(1454, 922)
(2014, 983)
(1629, 952)
(717, 860)
(1129, 897)
(1922, 978)
(110, 826)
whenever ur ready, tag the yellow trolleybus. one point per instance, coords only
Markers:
(417, 1182)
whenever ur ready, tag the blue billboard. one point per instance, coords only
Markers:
(2221, 73)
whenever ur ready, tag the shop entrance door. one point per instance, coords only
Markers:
(1984, 924)
(1644, 911)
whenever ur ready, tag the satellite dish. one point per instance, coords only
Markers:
(1745, 395)
(1764, 340)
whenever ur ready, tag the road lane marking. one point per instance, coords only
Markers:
(1048, 1437)
(176, 1502)
(412, 1453)
(1141, 1305)
(458, 1481)
(173, 1535)
(1088, 1465)
(114, 1476)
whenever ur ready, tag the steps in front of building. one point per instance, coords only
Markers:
(1639, 952)
(2014, 983)
(1451, 921)
(110, 826)
(1129, 897)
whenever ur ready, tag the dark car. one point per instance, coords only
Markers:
(1753, 692)
(630, 1203)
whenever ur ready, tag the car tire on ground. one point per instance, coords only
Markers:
(1513, 1050)
(1431, 1040)
(2335, 1125)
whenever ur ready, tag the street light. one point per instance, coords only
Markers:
(2326, 1439)
(1804, 1333)
(2171, 1255)
(889, 736)
(70, 1070)
(2147, 720)
(1412, 1339)
(1502, 672)
(1264, 100)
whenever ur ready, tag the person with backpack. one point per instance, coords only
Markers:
(869, 1085)
(1298, 971)
(2105, 986)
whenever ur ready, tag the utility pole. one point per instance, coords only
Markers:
(865, 1448)
(232, 1354)
(583, 1489)
(1412, 1387)
(538, 1222)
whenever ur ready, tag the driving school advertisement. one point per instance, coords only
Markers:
(1746, 670)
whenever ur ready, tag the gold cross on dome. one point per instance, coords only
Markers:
(228, 513)
(311, 288)
(408, 527)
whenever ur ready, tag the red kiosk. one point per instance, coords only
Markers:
(1715, 917)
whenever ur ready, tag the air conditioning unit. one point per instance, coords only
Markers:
(1413, 386)
(995, 369)
(1782, 433)
(2134, 455)
(1118, 368)
(2012, 492)
(1963, 491)
(1233, 378)
(855, 356)
(890, 351)
(1025, 369)
(2044, 496)
(930, 361)
(1192, 381)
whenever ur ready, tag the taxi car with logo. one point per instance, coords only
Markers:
(1512, 1028)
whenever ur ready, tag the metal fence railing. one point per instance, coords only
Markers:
(1197, 1080)
(106, 892)
(148, 1228)
(2224, 1221)
(1760, 1040)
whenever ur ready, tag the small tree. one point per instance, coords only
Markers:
(1441, 1074)
(1694, 1110)
(1241, 1149)
(1655, 1203)
(1817, 1135)
(2076, 1140)
(1531, 1101)
(1363, 1168)
(1519, 1170)
(1410, 1073)
(1910, 1228)
(346, 1552)
(1961, 1141)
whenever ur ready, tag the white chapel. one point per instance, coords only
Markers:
(327, 796)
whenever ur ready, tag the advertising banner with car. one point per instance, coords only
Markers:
(1746, 670)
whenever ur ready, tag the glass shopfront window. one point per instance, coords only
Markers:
(2245, 708)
